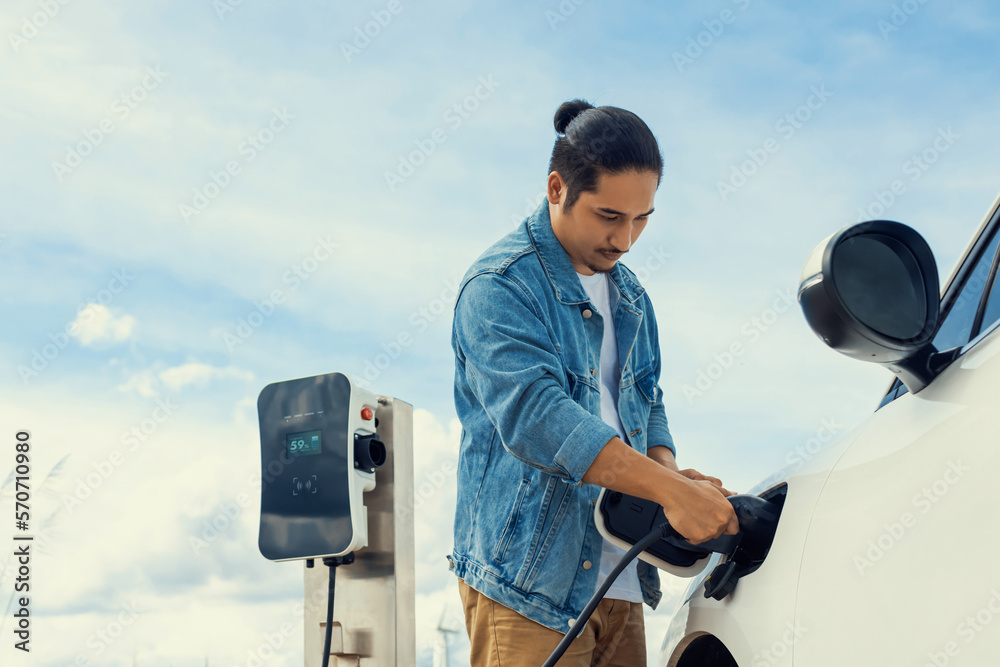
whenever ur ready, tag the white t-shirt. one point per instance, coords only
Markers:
(597, 286)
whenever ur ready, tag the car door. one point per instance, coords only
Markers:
(899, 563)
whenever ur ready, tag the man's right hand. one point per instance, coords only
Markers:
(699, 511)
(696, 508)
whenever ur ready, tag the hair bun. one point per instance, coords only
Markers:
(567, 111)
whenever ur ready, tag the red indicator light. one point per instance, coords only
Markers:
(366, 414)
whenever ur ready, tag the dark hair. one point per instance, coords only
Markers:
(596, 140)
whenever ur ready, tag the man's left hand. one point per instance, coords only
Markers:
(665, 457)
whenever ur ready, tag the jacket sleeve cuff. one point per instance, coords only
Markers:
(582, 445)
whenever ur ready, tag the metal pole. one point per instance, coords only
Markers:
(374, 621)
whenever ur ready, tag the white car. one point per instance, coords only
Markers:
(885, 552)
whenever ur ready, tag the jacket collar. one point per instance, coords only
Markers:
(560, 270)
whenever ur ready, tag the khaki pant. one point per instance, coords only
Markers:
(614, 636)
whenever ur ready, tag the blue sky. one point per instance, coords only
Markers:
(236, 160)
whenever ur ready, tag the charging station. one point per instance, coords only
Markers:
(337, 471)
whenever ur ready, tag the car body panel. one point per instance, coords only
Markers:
(907, 503)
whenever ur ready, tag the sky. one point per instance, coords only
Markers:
(202, 198)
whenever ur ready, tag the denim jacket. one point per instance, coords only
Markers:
(527, 345)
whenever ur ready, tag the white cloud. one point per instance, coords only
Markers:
(143, 383)
(150, 383)
(198, 374)
(95, 323)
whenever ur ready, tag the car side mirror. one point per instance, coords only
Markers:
(871, 292)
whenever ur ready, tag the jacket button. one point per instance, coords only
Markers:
(571, 621)
(587, 313)
(586, 564)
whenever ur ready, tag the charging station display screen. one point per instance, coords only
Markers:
(305, 443)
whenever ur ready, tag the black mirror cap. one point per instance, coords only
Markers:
(871, 292)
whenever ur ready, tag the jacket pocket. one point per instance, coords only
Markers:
(548, 530)
(508, 529)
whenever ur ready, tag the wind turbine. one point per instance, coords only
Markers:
(442, 641)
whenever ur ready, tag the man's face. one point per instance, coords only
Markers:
(601, 226)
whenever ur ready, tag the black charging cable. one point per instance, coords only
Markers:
(332, 562)
(658, 533)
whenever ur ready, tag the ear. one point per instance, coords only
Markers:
(556, 189)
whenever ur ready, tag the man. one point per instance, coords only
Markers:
(556, 386)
